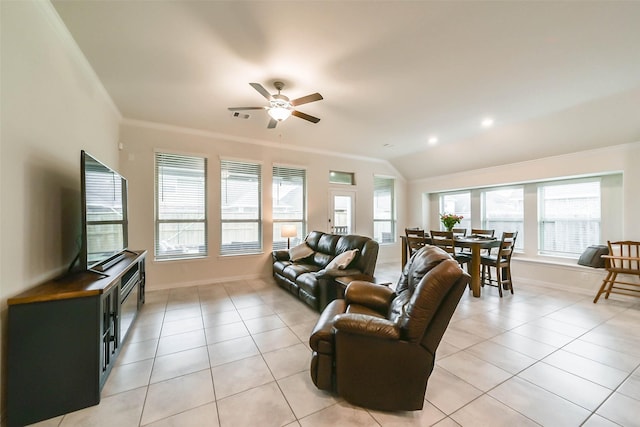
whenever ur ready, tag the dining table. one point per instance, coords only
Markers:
(476, 244)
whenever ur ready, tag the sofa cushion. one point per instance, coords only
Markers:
(299, 252)
(293, 271)
(343, 260)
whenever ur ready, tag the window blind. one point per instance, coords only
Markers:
(181, 214)
(569, 217)
(240, 207)
(289, 203)
(384, 224)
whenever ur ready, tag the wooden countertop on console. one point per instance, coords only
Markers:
(78, 285)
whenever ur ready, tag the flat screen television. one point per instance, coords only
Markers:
(104, 214)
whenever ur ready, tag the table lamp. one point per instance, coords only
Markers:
(288, 231)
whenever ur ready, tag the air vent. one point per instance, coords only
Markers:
(239, 115)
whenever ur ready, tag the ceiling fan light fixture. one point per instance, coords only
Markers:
(279, 113)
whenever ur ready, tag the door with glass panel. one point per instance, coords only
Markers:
(342, 206)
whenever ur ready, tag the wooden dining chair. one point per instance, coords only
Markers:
(623, 258)
(501, 262)
(479, 232)
(482, 233)
(459, 232)
(416, 240)
(446, 241)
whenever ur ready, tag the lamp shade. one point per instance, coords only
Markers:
(288, 231)
(279, 113)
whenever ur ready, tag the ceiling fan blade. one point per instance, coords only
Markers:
(306, 99)
(262, 90)
(245, 108)
(305, 116)
(272, 124)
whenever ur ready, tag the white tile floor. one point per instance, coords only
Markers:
(236, 354)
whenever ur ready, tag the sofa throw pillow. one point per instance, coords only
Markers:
(343, 260)
(299, 252)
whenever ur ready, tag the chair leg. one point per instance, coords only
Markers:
(499, 279)
(601, 290)
(610, 287)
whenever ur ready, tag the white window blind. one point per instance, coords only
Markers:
(458, 204)
(503, 211)
(181, 214)
(240, 207)
(569, 216)
(289, 203)
(384, 224)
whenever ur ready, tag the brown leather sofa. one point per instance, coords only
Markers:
(376, 348)
(310, 279)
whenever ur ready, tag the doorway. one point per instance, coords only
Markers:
(342, 211)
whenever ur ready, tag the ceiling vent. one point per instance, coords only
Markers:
(239, 115)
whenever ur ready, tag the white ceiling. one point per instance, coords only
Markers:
(557, 77)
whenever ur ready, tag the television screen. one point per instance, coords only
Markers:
(104, 203)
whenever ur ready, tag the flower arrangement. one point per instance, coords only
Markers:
(450, 220)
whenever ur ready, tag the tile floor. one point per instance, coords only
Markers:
(236, 354)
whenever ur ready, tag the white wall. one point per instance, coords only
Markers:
(53, 106)
(141, 140)
(621, 158)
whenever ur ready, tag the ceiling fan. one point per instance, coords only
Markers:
(280, 107)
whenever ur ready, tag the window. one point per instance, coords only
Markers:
(384, 221)
(336, 177)
(569, 216)
(181, 214)
(459, 204)
(503, 210)
(289, 203)
(240, 207)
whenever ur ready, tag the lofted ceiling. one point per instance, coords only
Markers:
(556, 77)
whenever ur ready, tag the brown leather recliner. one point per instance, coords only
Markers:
(376, 348)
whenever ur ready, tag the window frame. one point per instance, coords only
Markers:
(519, 247)
(159, 184)
(391, 209)
(466, 220)
(301, 223)
(242, 248)
(540, 220)
(611, 211)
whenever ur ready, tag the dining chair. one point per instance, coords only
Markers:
(479, 232)
(623, 258)
(501, 262)
(445, 240)
(459, 232)
(416, 239)
(482, 233)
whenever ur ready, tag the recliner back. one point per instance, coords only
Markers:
(428, 292)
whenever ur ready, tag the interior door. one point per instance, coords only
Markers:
(342, 211)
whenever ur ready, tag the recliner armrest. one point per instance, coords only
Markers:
(376, 297)
(361, 324)
(280, 255)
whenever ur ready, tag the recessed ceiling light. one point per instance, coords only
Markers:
(487, 122)
(433, 140)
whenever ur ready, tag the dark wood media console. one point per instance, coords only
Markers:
(64, 336)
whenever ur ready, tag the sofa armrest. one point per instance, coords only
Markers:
(336, 272)
(370, 326)
(280, 255)
(376, 297)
